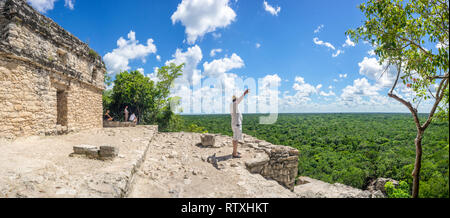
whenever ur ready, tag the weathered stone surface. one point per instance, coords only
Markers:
(50, 173)
(260, 160)
(277, 162)
(115, 124)
(312, 188)
(94, 153)
(208, 139)
(50, 82)
(105, 152)
(378, 185)
(84, 149)
(108, 151)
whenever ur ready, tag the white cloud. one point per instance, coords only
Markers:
(342, 75)
(354, 94)
(271, 79)
(327, 44)
(215, 51)
(153, 76)
(158, 57)
(317, 30)
(46, 5)
(348, 42)
(141, 70)
(330, 87)
(127, 50)
(304, 89)
(271, 9)
(363, 96)
(42, 5)
(191, 58)
(221, 66)
(370, 68)
(338, 52)
(69, 4)
(442, 45)
(371, 52)
(203, 16)
(299, 79)
(257, 45)
(327, 94)
(268, 94)
(303, 93)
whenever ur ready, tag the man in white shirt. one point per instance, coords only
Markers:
(236, 122)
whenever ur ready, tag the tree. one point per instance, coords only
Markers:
(151, 100)
(166, 76)
(133, 89)
(401, 34)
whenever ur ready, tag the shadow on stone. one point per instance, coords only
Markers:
(200, 145)
(214, 160)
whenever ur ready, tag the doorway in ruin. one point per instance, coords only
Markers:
(61, 107)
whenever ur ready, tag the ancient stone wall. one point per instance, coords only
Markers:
(276, 162)
(50, 81)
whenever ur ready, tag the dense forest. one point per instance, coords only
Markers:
(351, 149)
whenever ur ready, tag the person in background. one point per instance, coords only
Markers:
(126, 113)
(133, 118)
(107, 116)
(236, 122)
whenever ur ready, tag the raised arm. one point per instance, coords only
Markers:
(242, 97)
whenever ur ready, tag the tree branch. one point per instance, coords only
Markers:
(439, 96)
(399, 70)
(417, 45)
(431, 93)
(404, 102)
(409, 106)
(437, 77)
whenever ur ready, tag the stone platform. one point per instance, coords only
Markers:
(41, 166)
(115, 124)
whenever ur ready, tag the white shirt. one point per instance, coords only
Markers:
(236, 116)
(132, 117)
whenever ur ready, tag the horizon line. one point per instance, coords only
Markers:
(305, 113)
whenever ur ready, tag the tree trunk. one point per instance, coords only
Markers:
(417, 164)
(138, 115)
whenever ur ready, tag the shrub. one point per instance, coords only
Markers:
(402, 191)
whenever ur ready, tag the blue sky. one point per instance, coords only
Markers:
(300, 46)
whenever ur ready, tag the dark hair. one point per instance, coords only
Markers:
(234, 100)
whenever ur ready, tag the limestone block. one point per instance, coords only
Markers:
(264, 144)
(208, 139)
(260, 160)
(85, 149)
(94, 153)
(251, 145)
(108, 151)
(379, 183)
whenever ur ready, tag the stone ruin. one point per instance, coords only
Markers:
(208, 140)
(50, 81)
(94, 152)
(277, 162)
